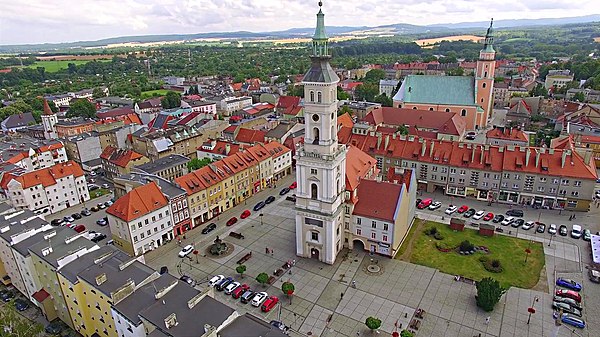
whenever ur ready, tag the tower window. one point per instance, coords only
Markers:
(315, 135)
(430, 109)
(319, 97)
(463, 112)
(312, 96)
(414, 108)
(485, 74)
(483, 85)
(447, 110)
(314, 189)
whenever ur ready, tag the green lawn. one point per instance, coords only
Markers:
(54, 66)
(99, 192)
(154, 93)
(509, 250)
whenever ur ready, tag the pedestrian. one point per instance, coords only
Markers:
(570, 217)
(487, 320)
(341, 296)
(267, 250)
(353, 284)
(272, 251)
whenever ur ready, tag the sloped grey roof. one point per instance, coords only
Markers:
(320, 71)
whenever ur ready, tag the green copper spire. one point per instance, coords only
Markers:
(320, 39)
(489, 39)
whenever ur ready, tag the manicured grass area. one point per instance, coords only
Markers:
(509, 250)
(99, 192)
(54, 66)
(154, 93)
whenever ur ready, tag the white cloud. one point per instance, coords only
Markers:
(38, 21)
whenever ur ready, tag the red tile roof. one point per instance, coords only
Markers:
(115, 113)
(41, 295)
(345, 120)
(231, 129)
(293, 110)
(372, 205)
(449, 123)
(48, 176)
(119, 157)
(276, 149)
(562, 142)
(220, 147)
(250, 136)
(285, 102)
(507, 134)
(47, 110)
(138, 202)
(236, 86)
(359, 165)
(590, 139)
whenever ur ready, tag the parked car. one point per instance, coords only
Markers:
(568, 283)
(215, 280)
(245, 214)
(279, 325)
(269, 303)
(567, 300)
(573, 321)
(231, 221)
(284, 191)
(562, 230)
(576, 232)
(108, 203)
(101, 222)
(86, 212)
(211, 227)
(425, 203)
(57, 222)
(99, 237)
(164, 270)
(435, 205)
(239, 291)
(518, 223)
(478, 215)
(259, 298)
(6, 295)
(186, 251)
(188, 280)
(94, 209)
(566, 308)
(101, 205)
(507, 221)
(224, 283)
(231, 287)
(451, 209)
(293, 185)
(68, 218)
(92, 187)
(259, 206)
(515, 212)
(528, 225)
(247, 296)
(21, 304)
(55, 327)
(79, 228)
(76, 216)
(105, 186)
(269, 199)
(552, 229)
(488, 217)
(594, 275)
(498, 218)
(469, 213)
(587, 235)
(463, 209)
(471, 135)
(569, 294)
(541, 227)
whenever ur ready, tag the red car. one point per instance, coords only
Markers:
(231, 221)
(569, 294)
(79, 228)
(488, 217)
(240, 290)
(425, 203)
(463, 209)
(269, 303)
(245, 214)
(293, 185)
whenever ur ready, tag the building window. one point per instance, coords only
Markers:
(358, 220)
(358, 231)
(373, 235)
(319, 97)
(385, 238)
(314, 189)
(373, 224)
(483, 85)
(313, 171)
(312, 96)
(314, 236)
(463, 112)
(385, 227)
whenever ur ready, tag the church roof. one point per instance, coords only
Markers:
(321, 72)
(447, 90)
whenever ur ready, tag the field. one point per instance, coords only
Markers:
(76, 57)
(54, 66)
(431, 42)
(154, 93)
(509, 250)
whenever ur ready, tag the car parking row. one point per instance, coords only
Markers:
(567, 302)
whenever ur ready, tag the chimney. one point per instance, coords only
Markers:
(563, 158)
(394, 135)
(431, 149)
(227, 149)
(473, 153)
(500, 149)
(378, 140)
(387, 141)
(481, 156)
(527, 155)
(423, 147)
(538, 154)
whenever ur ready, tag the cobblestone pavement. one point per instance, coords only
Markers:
(319, 309)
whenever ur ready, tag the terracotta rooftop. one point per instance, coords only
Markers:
(119, 157)
(590, 139)
(285, 102)
(250, 136)
(371, 203)
(359, 165)
(345, 120)
(48, 176)
(293, 110)
(562, 142)
(138, 202)
(444, 122)
(507, 134)
(47, 110)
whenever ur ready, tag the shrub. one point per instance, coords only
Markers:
(438, 236)
(431, 231)
(466, 246)
(483, 259)
(444, 246)
(493, 266)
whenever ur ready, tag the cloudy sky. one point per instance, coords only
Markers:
(38, 21)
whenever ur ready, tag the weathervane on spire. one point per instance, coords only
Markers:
(320, 3)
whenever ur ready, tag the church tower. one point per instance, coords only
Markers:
(321, 161)
(484, 79)
(49, 120)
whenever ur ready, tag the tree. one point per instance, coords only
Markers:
(196, 163)
(171, 100)
(82, 108)
(97, 93)
(406, 333)
(374, 75)
(288, 289)
(579, 97)
(366, 91)
(539, 90)
(262, 278)
(13, 325)
(341, 94)
(383, 99)
(489, 293)
(373, 323)
(458, 71)
(403, 130)
(240, 269)
(344, 109)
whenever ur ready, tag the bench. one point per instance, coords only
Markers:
(271, 280)
(245, 258)
(236, 235)
(279, 272)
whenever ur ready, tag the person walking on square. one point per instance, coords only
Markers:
(487, 320)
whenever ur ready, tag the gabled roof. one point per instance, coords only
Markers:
(115, 112)
(371, 204)
(446, 90)
(47, 110)
(359, 165)
(507, 134)
(345, 120)
(138, 202)
(119, 157)
(285, 102)
(48, 176)
(444, 122)
(293, 110)
(18, 120)
(250, 136)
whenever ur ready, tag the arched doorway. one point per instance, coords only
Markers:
(358, 245)
(314, 253)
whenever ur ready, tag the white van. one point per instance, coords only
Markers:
(576, 232)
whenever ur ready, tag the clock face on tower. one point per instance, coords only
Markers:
(315, 117)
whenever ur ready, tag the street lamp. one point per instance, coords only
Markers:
(261, 218)
(531, 309)
(549, 242)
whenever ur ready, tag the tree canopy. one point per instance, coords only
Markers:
(82, 108)
(262, 278)
(489, 292)
(171, 100)
(196, 163)
(14, 325)
(373, 323)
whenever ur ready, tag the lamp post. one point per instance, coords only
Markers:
(531, 309)
(549, 242)
(261, 218)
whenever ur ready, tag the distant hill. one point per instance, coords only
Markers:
(393, 29)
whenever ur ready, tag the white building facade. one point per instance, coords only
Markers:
(321, 161)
